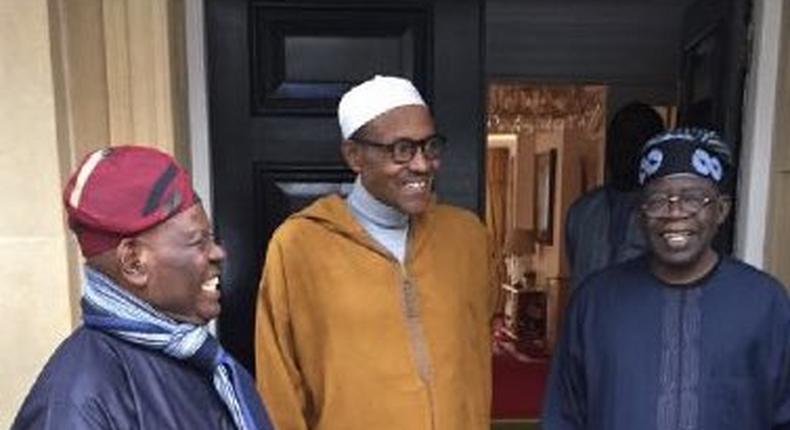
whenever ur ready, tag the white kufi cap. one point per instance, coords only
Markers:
(372, 98)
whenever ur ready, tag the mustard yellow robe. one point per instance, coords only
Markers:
(348, 338)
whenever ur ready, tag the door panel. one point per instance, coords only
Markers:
(305, 58)
(713, 65)
(276, 72)
(714, 59)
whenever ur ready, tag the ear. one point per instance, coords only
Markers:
(724, 205)
(131, 260)
(352, 153)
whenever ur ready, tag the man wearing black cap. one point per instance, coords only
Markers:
(683, 338)
(601, 226)
(143, 358)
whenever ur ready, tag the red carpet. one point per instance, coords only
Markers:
(518, 387)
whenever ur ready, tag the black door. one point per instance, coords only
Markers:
(714, 60)
(713, 64)
(276, 72)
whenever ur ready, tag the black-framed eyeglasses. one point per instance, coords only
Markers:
(403, 150)
(658, 205)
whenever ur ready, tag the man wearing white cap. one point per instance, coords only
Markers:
(374, 311)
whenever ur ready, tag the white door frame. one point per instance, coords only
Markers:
(759, 115)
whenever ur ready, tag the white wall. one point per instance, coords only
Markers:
(758, 133)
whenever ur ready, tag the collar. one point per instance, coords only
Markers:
(373, 210)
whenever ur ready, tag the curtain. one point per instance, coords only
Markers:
(497, 162)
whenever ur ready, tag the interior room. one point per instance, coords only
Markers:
(556, 73)
(544, 148)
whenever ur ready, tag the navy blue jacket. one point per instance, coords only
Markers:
(96, 381)
(639, 354)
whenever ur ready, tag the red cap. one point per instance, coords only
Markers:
(122, 191)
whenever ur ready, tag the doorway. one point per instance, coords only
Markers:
(263, 141)
(682, 56)
(545, 147)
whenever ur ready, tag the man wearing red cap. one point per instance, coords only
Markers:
(143, 357)
(374, 311)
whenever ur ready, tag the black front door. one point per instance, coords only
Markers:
(713, 65)
(714, 60)
(276, 72)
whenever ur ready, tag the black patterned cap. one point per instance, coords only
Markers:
(696, 151)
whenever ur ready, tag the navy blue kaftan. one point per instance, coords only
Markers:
(638, 354)
(97, 381)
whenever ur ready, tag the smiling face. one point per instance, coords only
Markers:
(403, 186)
(179, 267)
(681, 241)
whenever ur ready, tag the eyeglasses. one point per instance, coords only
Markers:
(403, 150)
(658, 205)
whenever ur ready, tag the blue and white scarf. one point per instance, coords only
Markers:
(109, 308)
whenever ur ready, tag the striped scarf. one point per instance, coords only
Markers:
(109, 308)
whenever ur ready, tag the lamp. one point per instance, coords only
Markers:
(524, 305)
(518, 249)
